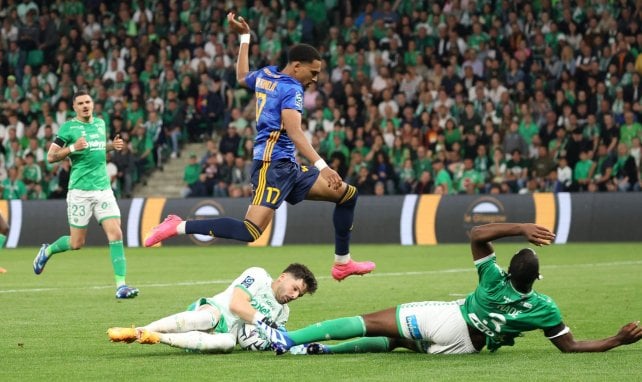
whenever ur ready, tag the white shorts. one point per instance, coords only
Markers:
(81, 205)
(438, 325)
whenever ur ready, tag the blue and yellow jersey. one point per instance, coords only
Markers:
(274, 92)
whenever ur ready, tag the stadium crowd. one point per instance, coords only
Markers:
(415, 97)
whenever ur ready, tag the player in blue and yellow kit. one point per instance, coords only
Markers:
(502, 306)
(276, 176)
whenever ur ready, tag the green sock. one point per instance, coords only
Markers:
(62, 244)
(338, 329)
(362, 345)
(118, 261)
(3, 239)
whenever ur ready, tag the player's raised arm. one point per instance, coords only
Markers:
(628, 334)
(241, 27)
(482, 236)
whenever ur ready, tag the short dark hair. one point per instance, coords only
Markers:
(300, 271)
(78, 93)
(303, 53)
(524, 267)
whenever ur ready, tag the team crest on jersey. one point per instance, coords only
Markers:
(298, 100)
(249, 280)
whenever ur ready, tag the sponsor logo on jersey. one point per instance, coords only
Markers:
(413, 327)
(267, 312)
(249, 280)
(97, 145)
(298, 100)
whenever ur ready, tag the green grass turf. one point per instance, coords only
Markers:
(53, 325)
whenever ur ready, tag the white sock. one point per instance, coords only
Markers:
(180, 228)
(205, 342)
(184, 322)
(342, 259)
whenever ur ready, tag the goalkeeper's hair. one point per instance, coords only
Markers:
(300, 271)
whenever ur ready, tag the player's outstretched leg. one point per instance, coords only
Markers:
(164, 230)
(342, 218)
(317, 348)
(122, 334)
(223, 228)
(147, 337)
(310, 349)
(40, 260)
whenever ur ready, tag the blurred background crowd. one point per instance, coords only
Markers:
(450, 97)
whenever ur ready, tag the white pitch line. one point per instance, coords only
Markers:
(378, 274)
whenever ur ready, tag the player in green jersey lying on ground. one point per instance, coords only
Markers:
(502, 306)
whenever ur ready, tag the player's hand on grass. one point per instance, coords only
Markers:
(332, 177)
(538, 235)
(239, 26)
(630, 333)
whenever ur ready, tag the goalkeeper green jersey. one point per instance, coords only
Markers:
(500, 312)
(88, 166)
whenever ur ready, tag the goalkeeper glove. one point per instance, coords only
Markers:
(279, 340)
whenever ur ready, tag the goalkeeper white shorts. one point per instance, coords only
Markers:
(439, 326)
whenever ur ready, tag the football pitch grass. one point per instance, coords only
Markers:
(54, 325)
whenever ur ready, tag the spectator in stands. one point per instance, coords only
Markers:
(191, 175)
(516, 171)
(602, 177)
(240, 186)
(443, 178)
(625, 172)
(582, 172)
(514, 141)
(542, 165)
(229, 142)
(127, 175)
(414, 58)
(142, 148)
(13, 187)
